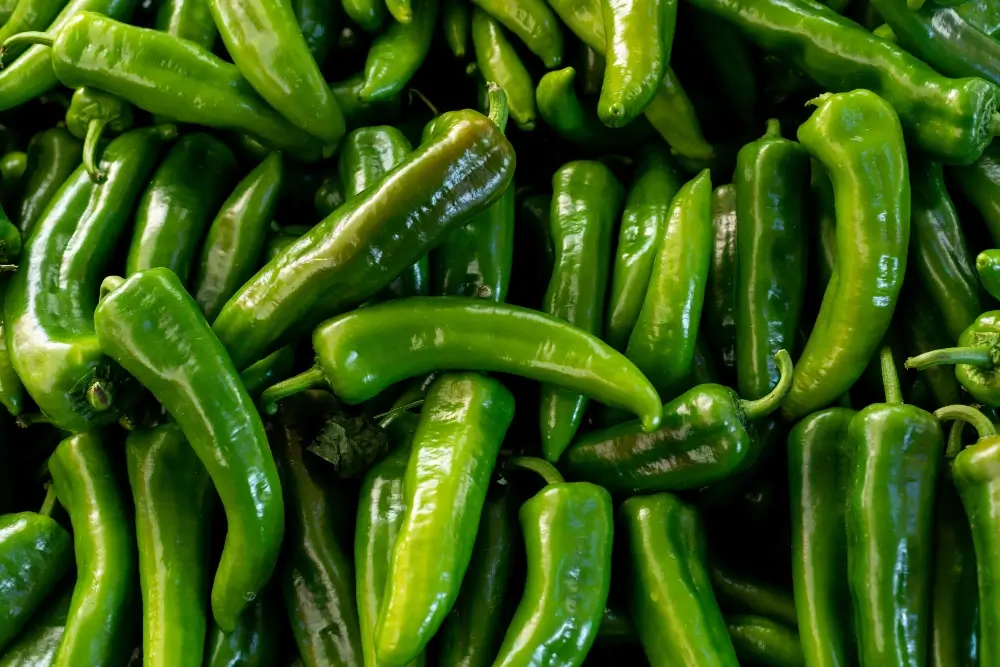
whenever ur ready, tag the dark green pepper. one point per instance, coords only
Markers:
(979, 182)
(499, 63)
(761, 641)
(27, 16)
(534, 24)
(729, 60)
(271, 369)
(11, 388)
(920, 322)
(52, 156)
(93, 113)
(358, 113)
(396, 54)
(255, 642)
(718, 315)
(318, 21)
(37, 644)
(455, 24)
(988, 268)
(187, 19)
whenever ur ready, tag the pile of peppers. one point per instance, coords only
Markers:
(510, 333)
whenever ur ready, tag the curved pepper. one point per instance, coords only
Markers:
(718, 315)
(171, 490)
(52, 156)
(36, 645)
(91, 114)
(463, 169)
(48, 312)
(500, 64)
(858, 139)
(586, 199)
(187, 19)
(396, 54)
(762, 641)
(256, 640)
(890, 523)
(975, 359)
(136, 324)
(980, 183)
(534, 24)
(462, 423)
(358, 113)
(670, 595)
(185, 190)
(33, 15)
(702, 438)
(101, 614)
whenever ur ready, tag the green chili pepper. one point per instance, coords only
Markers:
(91, 114)
(718, 316)
(744, 595)
(183, 193)
(534, 24)
(455, 23)
(857, 138)
(399, 219)
(568, 530)
(670, 594)
(187, 19)
(237, 236)
(136, 324)
(975, 359)
(11, 387)
(988, 269)
(890, 521)
(396, 54)
(36, 645)
(643, 224)
(255, 642)
(369, 14)
(499, 63)
(762, 641)
(52, 156)
(401, 10)
(819, 467)
(101, 614)
(979, 182)
(730, 61)
(12, 168)
(48, 311)
(462, 423)
(318, 22)
(172, 518)
(771, 179)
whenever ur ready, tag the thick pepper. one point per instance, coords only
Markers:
(101, 615)
(52, 156)
(500, 64)
(187, 19)
(396, 54)
(890, 525)
(858, 139)
(256, 640)
(444, 183)
(462, 424)
(975, 359)
(568, 530)
(91, 115)
(37, 644)
(772, 175)
(586, 199)
(171, 490)
(155, 330)
(718, 315)
(703, 438)
(670, 594)
(534, 24)
(759, 640)
(48, 311)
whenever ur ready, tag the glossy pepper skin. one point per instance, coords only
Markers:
(951, 120)
(640, 34)
(760, 640)
(12, 168)
(255, 642)
(499, 62)
(890, 524)
(819, 466)
(586, 199)
(236, 237)
(150, 326)
(444, 183)
(52, 156)
(27, 16)
(670, 594)
(979, 182)
(396, 54)
(93, 113)
(533, 22)
(858, 139)
(36, 645)
(644, 220)
(268, 47)
(171, 490)
(718, 315)
(48, 311)
(462, 423)
(184, 192)
(319, 23)
(663, 340)
(703, 438)
(101, 615)
(187, 19)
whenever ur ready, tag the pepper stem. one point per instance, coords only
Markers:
(762, 407)
(546, 470)
(94, 131)
(954, 445)
(99, 395)
(973, 356)
(109, 285)
(28, 38)
(311, 379)
(396, 409)
(498, 105)
(773, 130)
(993, 127)
(890, 379)
(968, 414)
(49, 503)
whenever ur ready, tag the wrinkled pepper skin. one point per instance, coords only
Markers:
(398, 219)
(759, 640)
(101, 615)
(819, 466)
(397, 54)
(171, 490)
(718, 315)
(979, 182)
(255, 642)
(187, 19)
(857, 138)
(48, 311)
(184, 192)
(644, 219)
(462, 424)
(154, 329)
(533, 22)
(52, 156)
(568, 532)
(586, 199)
(670, 595)
(772, 174)
(499, 62)
(37, 644)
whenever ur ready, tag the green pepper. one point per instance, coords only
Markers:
(35, 553)
(462, 423)
(819, 465)
(185, 190)
(171, 490)
(401, 10)
(255, 642)
(568, 530)
(670, 594)
(702, 438)
(533, 251)
(718, 316)
(187, 19)
(616, 627)
(52, 156)
(369, 14)
(640, 35)
(136, 324)
(92, 113)
(36, 645)
(586, 199)
(463, 169)
(771, 178)
(890, 525)
(455, 24)
(979, 182)
(988, 269)
(920, 322)
(101, 614)
(48, 311)
(759, 640)
(11, 387)
(534, 24)
(983, 14)
(396, 54)
(858, 139)
(236, 237)
(663, 340)
(975, 359)
(12, 168)
(740, 594)
(500, 63)
(318, 22)
(643, 224)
